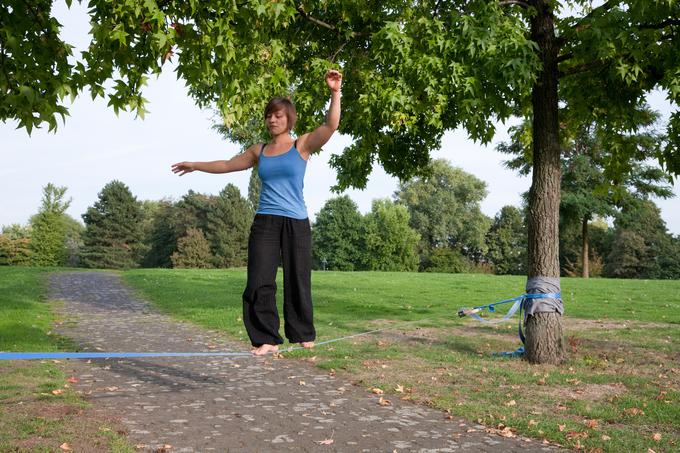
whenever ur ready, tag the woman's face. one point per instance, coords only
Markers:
(277, 122)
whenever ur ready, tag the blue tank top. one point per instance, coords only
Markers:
(282, 179)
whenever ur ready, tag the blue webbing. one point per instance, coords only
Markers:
(128, 355)
(518, 305)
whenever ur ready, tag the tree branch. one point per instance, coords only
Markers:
(321, 23)
(582, 67)
(581, 23)
(565, 57)
(513, 2)
(664, 24)
(335, 54)
(4, 68)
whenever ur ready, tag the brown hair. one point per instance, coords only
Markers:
(281, 103)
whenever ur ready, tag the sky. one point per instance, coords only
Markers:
(95, 146)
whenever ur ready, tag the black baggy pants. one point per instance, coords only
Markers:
(275, 239)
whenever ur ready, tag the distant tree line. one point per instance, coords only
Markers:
(432, 223)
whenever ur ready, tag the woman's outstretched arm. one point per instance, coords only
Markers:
(242, 161)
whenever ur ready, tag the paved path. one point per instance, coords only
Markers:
(234, 404)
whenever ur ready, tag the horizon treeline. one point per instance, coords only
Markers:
(432, 223)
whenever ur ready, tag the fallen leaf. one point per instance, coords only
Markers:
(141, 446)
(399, 388)
(511, 403)
(592, 424)
(57, 392)
(633, 411)
(212, 346)
(383, 402)
(72, 379)
(560, 428)
(649, 450)
(506, 432)
(605, 437)
(533, 422)
(577, 435)
(657, 437)
(541, 381)
(65, 447)
(111, 389)
(325, 442)
(303, 383)
(377, 391)
(660, 396)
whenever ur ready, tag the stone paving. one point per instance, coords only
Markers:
(234, 403)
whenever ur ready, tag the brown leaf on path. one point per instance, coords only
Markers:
(377, 391)
(303, 383)
(399, 388)
(383, 402)
(506, 432)
(66, 447)
(324, 442)
(72, 379)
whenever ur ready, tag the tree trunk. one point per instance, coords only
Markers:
(584, 248)
(544, 329)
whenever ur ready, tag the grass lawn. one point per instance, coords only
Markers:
(38, 410)
(619, 390)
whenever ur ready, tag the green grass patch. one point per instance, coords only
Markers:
(618, 391)
(38, 410)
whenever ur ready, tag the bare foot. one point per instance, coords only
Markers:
(307, 344)
(265, 349)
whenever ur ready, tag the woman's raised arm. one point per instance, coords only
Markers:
(308, 143)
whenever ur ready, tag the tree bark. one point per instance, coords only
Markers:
(544, 329)
(584, 249)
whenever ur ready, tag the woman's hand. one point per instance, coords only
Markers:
(334, 80)
(183, 168)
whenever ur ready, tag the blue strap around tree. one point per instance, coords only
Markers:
(519, 304)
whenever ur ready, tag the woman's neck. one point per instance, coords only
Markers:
(281, 139)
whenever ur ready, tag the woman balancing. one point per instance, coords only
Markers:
(281, 229)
